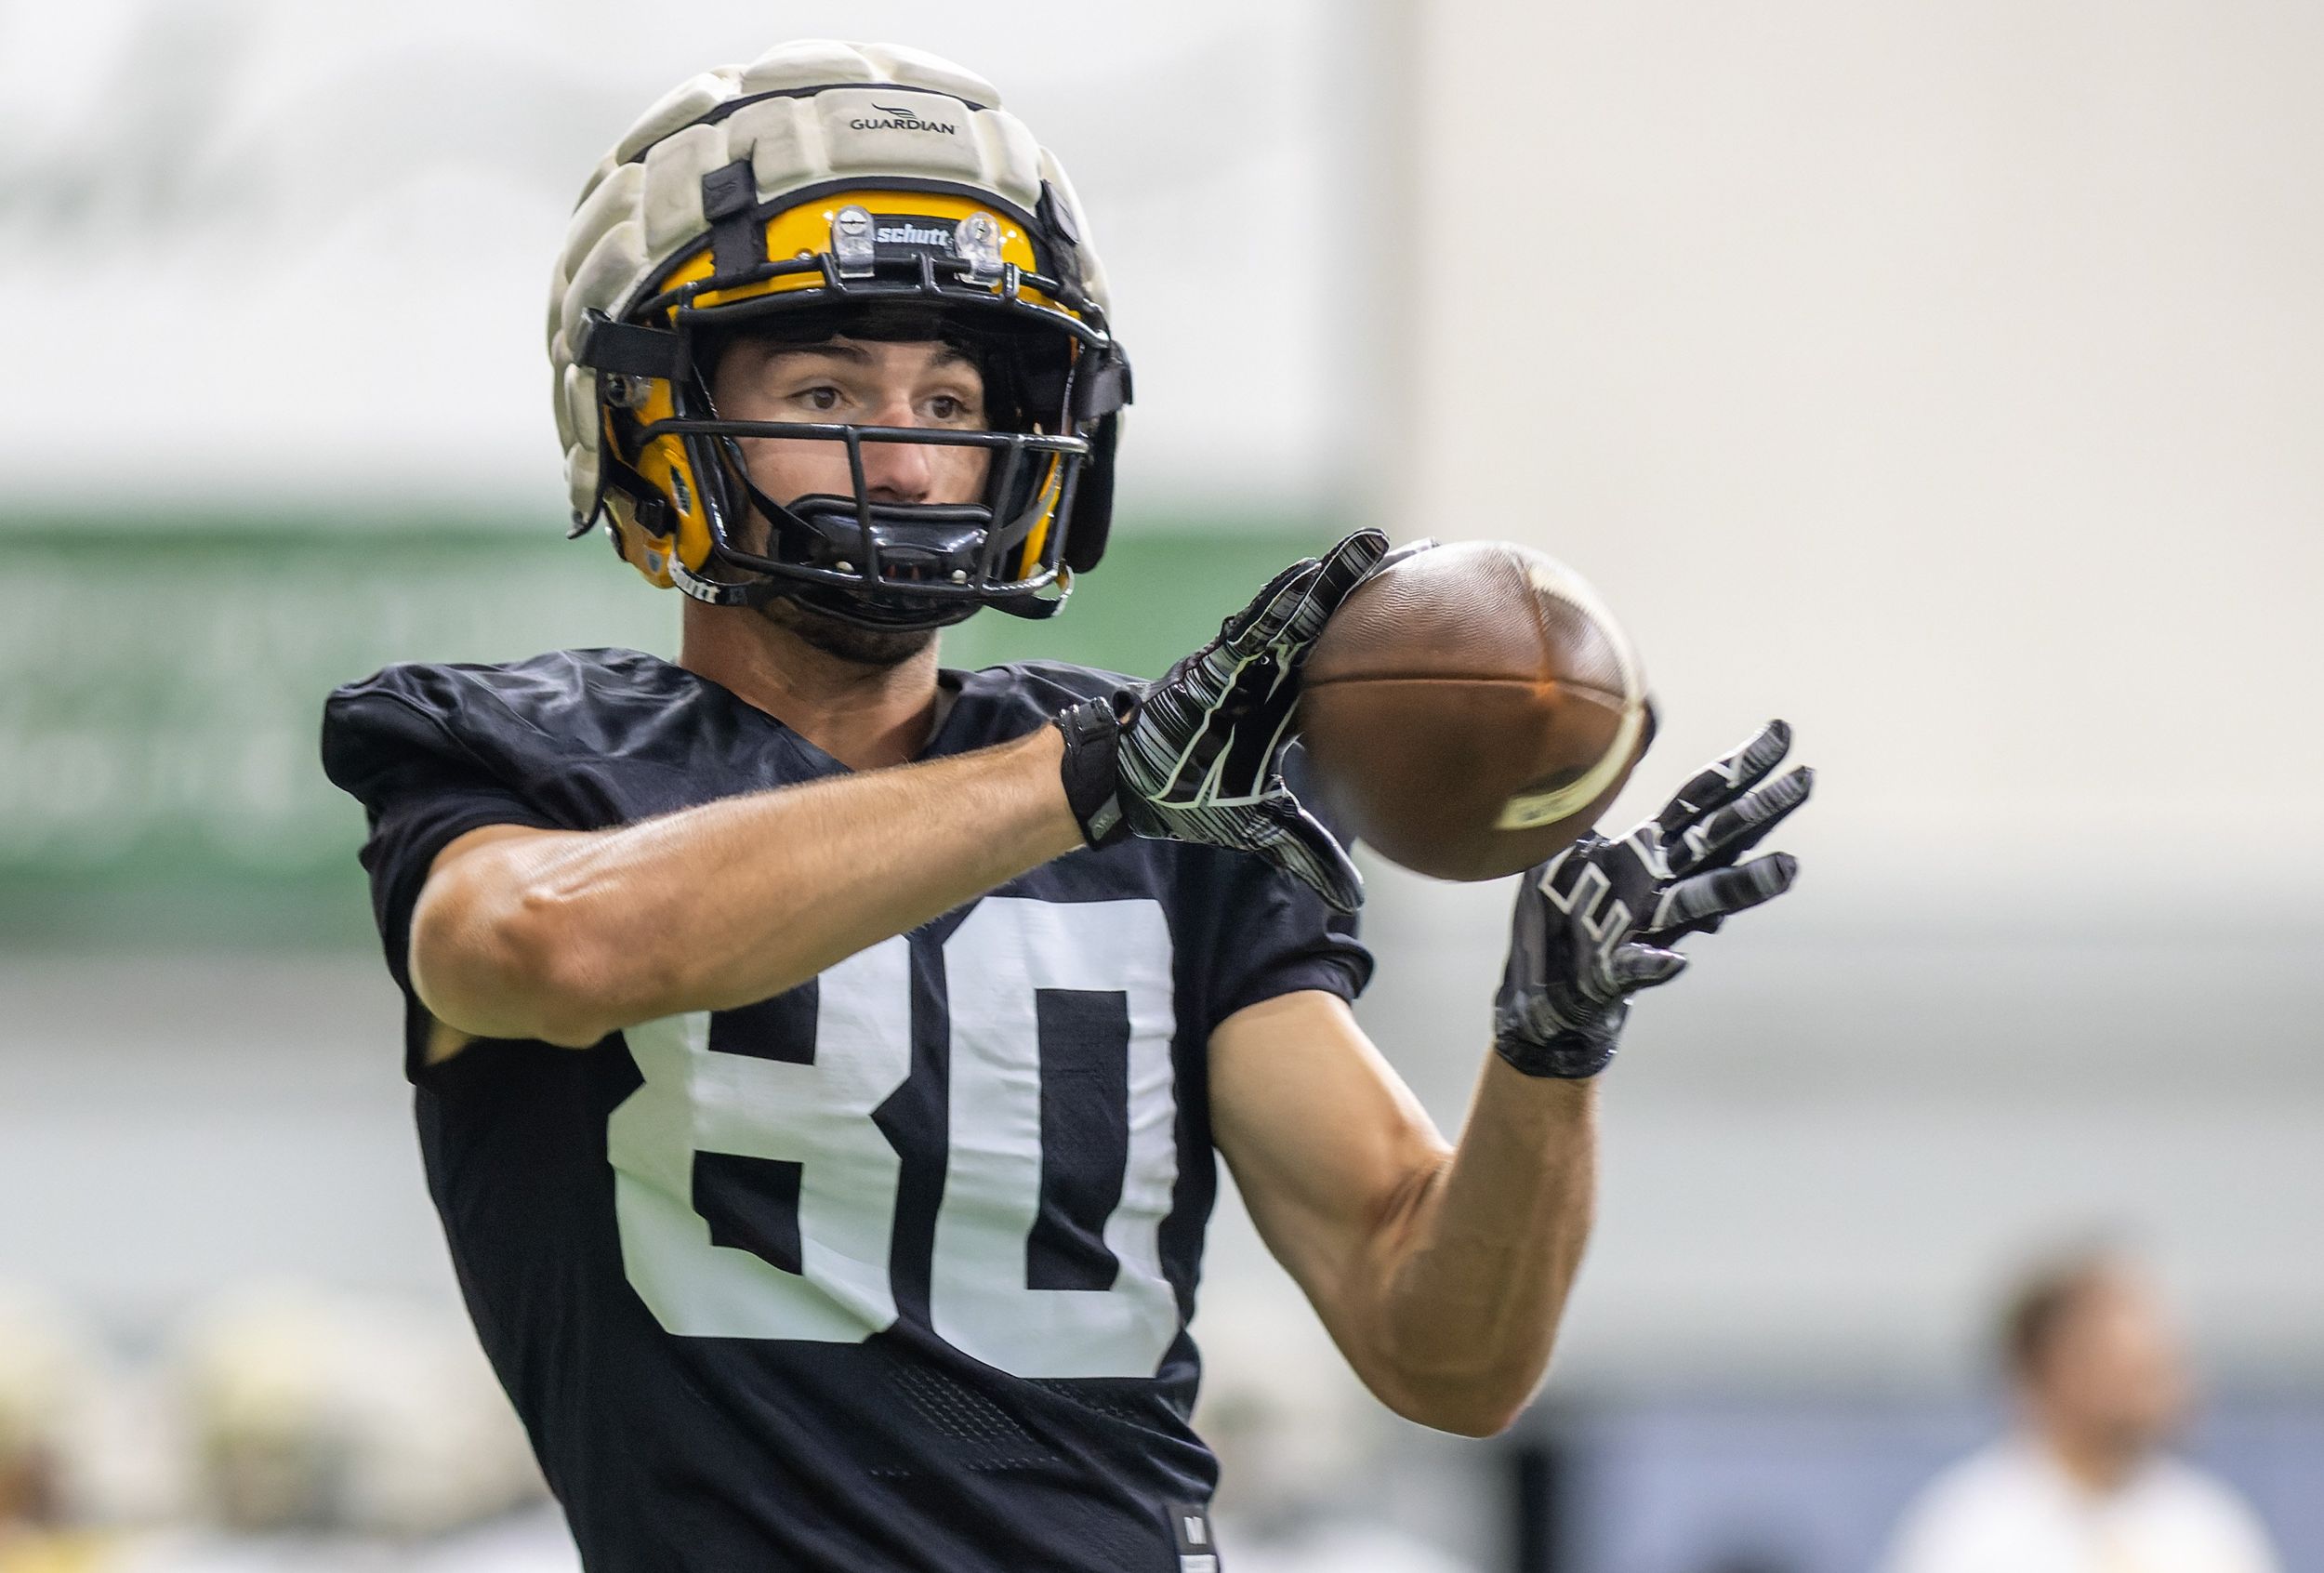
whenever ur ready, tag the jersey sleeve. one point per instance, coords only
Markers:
(1276, 936)
(421, 790)
(1279, 938)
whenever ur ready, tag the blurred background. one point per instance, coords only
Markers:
(1945, 378)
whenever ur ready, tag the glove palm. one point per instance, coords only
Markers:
(1199, 756)
(1595, 923)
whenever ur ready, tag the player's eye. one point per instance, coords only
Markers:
(821, 398)
(948, 408)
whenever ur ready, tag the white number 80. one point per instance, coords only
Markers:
(696, 1100)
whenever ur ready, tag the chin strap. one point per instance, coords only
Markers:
(1091, 770)
(715, 592)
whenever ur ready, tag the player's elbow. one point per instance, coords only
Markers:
(568, 975)
(1467, 1386)
(1464, 1409)
(515, 959)
(1479, 1421)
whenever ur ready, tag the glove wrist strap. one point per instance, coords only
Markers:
(1092, 771)
(1567, 1056)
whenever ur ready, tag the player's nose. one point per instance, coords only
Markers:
(901, 472)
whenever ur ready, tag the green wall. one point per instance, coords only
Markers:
(158, 776)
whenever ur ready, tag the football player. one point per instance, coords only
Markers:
(820, 1053)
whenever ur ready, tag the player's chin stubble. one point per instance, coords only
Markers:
(847, 642)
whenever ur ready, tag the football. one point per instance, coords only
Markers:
(1473, 709)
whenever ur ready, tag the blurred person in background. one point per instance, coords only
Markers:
(2082, 1485)
(329, 1434)
(1299, 1451)
(46, 1367)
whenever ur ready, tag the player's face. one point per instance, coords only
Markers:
(2114, 1371)
(857, 382)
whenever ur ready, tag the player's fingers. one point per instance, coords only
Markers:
(1725, 779)
(1346, 565)
(1707, 897)
(1640, 966)
(1296, 842)
(1349, 563)
(1409, 549)
(1261, 622)
(1736, 829)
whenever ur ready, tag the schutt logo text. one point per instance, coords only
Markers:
(909, 233)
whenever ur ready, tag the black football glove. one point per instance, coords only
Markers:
(1198, 756)
(1595, 923)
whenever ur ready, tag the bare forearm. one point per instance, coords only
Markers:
(1479, 1271)
(739, 900)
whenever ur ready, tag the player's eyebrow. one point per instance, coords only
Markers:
(831, 349)
(945, 357)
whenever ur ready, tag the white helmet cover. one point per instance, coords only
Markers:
(828, 178)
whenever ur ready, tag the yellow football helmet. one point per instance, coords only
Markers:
(833, 188)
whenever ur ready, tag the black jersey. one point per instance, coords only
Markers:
(890, 1271)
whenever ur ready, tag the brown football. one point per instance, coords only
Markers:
(1471, 710)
